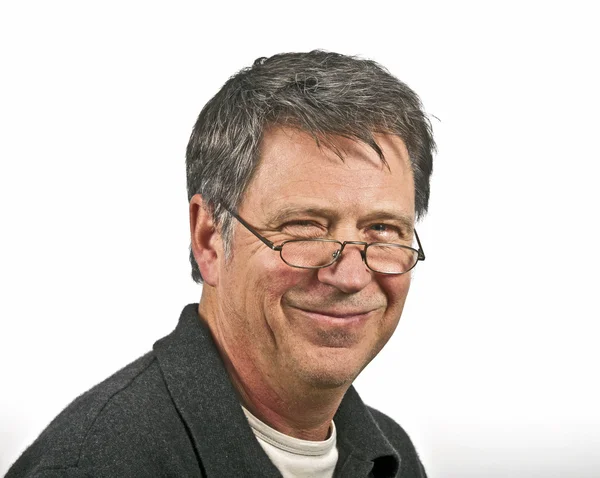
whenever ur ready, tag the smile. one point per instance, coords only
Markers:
(337, 318)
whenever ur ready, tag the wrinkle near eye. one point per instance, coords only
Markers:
(251, 242)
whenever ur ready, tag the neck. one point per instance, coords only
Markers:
(289, 406)
(301, 415)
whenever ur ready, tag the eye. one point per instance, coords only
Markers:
(385, 229)
(380, 227)
(302, 223)
(303, 227)
(386, 232)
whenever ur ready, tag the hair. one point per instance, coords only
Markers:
(322, 93)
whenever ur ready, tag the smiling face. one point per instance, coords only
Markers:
(319, 327)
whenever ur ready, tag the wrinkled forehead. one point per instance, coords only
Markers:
(294, 167)
(331, 149)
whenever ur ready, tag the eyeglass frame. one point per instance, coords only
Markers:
(363, 252)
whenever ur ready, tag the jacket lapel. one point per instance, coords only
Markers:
(207, 402)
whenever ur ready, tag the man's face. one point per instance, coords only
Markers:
(320, 326)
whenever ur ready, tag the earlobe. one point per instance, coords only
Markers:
(205, 239)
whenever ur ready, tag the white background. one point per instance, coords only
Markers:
(494, 368)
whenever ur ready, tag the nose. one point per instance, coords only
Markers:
(349, 273)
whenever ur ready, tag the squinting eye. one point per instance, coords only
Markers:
(302, 224)
(302, 228)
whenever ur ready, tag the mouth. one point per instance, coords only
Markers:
(337, 317)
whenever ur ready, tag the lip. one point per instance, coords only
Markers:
(337, 317)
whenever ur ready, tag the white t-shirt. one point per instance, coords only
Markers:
(293, 457)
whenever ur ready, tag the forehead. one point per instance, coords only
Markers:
(295, 170)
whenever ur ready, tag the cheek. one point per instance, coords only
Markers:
(264, 279)
(395, 289)
(278, 280)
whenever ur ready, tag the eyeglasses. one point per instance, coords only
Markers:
(380, 257)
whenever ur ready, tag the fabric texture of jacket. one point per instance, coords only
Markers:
(175, 413)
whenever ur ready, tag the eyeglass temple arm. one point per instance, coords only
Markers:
(421, 256)
(264, 240)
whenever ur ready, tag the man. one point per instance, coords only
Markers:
(306, 173)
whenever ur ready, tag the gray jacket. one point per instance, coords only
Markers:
(174, 413)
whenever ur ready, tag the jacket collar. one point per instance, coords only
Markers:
(362, 445)
(224, 442)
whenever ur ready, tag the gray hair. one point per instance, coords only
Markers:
(324, 94)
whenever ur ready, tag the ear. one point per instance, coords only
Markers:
(206, 240)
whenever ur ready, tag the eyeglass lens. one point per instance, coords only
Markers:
(386, 258)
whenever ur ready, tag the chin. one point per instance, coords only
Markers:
(331, 359)
(328, 379)
(331, 370)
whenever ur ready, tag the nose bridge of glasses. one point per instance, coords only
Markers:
(338, 253)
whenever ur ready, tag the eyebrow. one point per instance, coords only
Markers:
(284, 213)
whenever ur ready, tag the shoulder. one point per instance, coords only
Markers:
(124, 419)
(399, 439)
